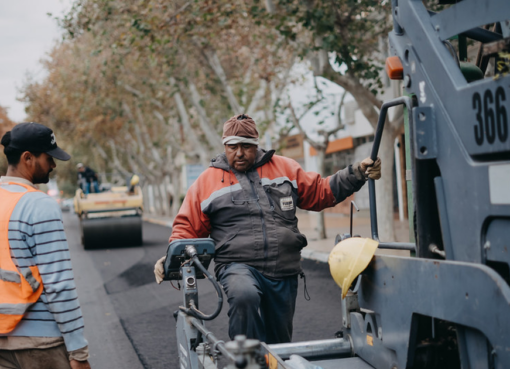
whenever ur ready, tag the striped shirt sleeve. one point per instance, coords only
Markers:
(48, 244)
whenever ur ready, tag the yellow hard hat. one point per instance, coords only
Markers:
(349, 258)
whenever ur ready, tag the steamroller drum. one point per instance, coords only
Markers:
(111, 232)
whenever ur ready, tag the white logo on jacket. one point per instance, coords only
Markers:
(286, 203)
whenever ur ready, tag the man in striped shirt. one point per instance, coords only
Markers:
(50, 333)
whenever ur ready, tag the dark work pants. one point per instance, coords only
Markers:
(259, 307)
(49, 358)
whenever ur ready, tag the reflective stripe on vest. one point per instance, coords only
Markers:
(19, 287)
(34, 283)
(10, 276)
(14, 309)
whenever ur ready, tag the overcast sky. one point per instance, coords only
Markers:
(27, 33)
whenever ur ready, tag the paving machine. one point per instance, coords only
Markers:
(111, 218)
(447, 305)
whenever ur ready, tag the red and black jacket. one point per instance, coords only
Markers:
(251, 215)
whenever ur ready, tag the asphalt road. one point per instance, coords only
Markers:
(129, 318)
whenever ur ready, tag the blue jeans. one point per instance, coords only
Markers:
(87, 187)
(259, 307)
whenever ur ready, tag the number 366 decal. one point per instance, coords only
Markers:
(491, 116)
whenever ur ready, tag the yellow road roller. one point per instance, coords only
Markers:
(112, 218)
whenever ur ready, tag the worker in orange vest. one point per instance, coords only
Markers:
(41, 324)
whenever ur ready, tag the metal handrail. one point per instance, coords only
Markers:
(403, 100)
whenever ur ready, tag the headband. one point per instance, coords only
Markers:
(232, 140)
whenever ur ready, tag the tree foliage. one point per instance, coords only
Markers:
(6, 125)
(349, 30)
(145, 85)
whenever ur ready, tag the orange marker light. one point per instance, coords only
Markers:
(394, 68)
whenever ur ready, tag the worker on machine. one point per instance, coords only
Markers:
(41, 324)
(86, 178)
(246, 202)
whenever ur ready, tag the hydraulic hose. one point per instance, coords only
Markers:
(192, 310)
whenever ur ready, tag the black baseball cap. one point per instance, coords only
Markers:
(35, 137)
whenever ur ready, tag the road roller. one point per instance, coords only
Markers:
(112, 218)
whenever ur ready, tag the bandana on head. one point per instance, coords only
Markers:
(240, 129)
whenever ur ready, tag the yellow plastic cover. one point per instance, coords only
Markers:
(134, 180)
(349, 258)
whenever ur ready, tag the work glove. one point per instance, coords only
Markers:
(370, 169)
(159, 270)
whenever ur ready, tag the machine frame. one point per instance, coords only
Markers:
(450, 305)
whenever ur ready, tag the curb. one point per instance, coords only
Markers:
(315, 255)
(161, 222)
(305, 253)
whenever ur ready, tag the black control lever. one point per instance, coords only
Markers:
(192, 253)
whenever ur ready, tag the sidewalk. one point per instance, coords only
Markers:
(339, 224)
(335, 224)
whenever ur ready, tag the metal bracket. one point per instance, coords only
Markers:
(349, 304)
(190, 288)
(424, 124)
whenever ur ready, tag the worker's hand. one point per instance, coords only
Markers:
(75, 364)
(159, 270)
(370, 169)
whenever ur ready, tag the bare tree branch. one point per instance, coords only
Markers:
(147, 137)
(259, 94)
(214, 62)
(339, 120)
(206, 125)
(137, 93)
(297, 124)
(366, 100)
(132, 90)
(98, 147)
(130, 115)
(116, 160)
(180, 10)
(195, 142)
(270, 7)
(169, 135)
(246, 81)
(310, 107)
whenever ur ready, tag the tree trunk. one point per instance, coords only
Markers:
(165, 204)
(157, 198)
(146, 201)
(191, 136)
(215, 64)
(176, 181)
(384, 188)
(210, 133)
(152, 200)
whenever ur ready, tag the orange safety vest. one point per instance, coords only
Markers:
(19, 287)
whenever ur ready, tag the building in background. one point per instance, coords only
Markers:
(294, 147)
(350, 144)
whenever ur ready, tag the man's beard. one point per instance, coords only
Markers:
(40, 176)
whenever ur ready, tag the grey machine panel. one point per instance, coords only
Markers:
(466, 124)
(460, 158)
